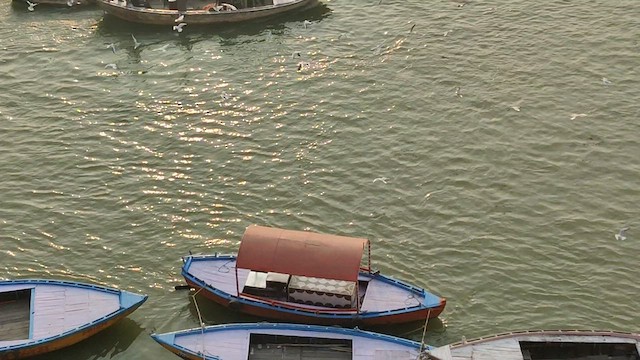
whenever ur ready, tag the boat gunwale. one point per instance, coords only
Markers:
(30, 343)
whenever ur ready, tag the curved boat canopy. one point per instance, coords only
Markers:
(301, 253)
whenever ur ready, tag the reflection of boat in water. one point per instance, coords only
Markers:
(175, 12)
(300, 276)
(39, 316)
(546, 345)
(68, 3)
(286, 341)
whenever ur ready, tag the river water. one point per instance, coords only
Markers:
(488, 149)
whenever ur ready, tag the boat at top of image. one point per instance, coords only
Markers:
(301, 276)
(180, 13)
(546, 345)
(262, 341)
(39, 316)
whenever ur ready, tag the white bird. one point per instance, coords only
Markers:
(305, 23)
(179, 27)
(69, 3)
(162, 48)
(606, 81)
(458, 92)
(516, 106)
(136, 44)
(383, 179)
(31, 5)
(621, 234)
(112, 46)
(295, 53)
(179, 18)
(575, 116)
(111, 66)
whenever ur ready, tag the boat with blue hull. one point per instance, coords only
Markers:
(39, 316)
(306, 277)
(261, 341)
(545, 345)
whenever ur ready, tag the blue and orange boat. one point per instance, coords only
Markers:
(307, 277)
(39, 316)
(287, 341)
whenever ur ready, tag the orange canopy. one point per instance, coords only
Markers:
(301, 253)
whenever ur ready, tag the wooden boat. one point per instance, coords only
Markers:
(301, 276)
(266, 341)
(175, 12)
(39, 316)
(547, 345)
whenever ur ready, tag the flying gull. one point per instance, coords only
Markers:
(31, 5)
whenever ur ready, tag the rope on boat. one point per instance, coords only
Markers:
(424, 333)
(195, 302)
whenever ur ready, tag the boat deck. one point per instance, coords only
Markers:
(273, 343)
(56, 308)
(14, 315)
(375, 295)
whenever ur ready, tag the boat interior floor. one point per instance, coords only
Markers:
(15, 315)
(269, 347)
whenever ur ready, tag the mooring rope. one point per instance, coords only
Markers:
(195, 302)
(424, 333)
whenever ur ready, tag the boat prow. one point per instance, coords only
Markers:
(39, 316)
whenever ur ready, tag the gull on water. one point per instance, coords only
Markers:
(516, 106)
(575, 116)
(162, 48)
(31, 5)
(136, 44)
(295, 53)
(621, 234)
(383, 179)
(111, 66)
(458, 92)
(179, 18)
(305, 23)
(606, 81)
(179, 27)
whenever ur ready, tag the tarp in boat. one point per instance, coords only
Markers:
(302, 253)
